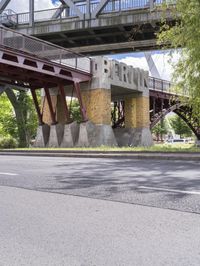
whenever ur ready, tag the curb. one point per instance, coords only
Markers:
(112, 155)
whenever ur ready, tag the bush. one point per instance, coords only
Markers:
(8, 143)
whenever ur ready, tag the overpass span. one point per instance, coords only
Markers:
(108, 92)
(93, 27)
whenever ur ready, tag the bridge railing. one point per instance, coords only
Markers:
(160, 84)
(66, 12)
(28, 44)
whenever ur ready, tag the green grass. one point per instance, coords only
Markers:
(155, 148)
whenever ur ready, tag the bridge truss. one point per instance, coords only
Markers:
(162, 101)
(26, 62)
(91, 27)
(83, 9)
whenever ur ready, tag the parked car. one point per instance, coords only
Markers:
(171, 141)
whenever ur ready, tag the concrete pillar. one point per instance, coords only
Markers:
(136, 131)
(58, 107)
(98, 105)
(142, 112)
(97, 131)
(54, 136)
(130, 113)
(137, 112)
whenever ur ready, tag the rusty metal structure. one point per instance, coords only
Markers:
(162, 101)
(27, 62)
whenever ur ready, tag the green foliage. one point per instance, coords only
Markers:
(8, 143)
(186, 34)
(8, 125)
(30, 121)
(17, 117)
(180, 127)
(160, 129)
(75, 110)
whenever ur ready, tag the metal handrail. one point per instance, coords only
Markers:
(29, 44)
(159, 84)
(66, 12)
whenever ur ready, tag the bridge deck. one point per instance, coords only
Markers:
(120, 26)
(30, 62)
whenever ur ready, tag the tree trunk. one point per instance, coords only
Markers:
(19, 117)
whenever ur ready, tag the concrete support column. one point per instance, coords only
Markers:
(136, 131)
(56, 131)
(130, 113)
(58, 108)
(137, 112)
(97, 131)
(142, 112)
(98, 105)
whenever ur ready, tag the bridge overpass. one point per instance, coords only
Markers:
(118, 103)
(92, 27)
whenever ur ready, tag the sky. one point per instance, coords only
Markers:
(160, 58)
(23, 5)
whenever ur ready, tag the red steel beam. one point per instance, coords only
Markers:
(37, 107)
(63, 98)
(78, 93)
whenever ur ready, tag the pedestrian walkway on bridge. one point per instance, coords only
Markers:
(92, 27)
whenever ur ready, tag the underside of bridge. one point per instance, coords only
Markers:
(119, 38)
(161, 103)
(93, 27)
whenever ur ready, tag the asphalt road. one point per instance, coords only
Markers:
(100, 212)
(164, 184)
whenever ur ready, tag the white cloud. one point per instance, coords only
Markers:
(161, 61)
(20, 6)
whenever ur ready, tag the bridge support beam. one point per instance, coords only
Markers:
(136, 131)
(97, 131)
(54, 114)
(58, 107)
(97, 103)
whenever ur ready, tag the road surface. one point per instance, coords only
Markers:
(86, 212)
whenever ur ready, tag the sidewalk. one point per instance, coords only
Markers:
(191, 156)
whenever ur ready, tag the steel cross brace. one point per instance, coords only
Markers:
(63, 98)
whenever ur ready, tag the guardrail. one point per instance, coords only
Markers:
(28, 44)
(66, 12)
(159, 84)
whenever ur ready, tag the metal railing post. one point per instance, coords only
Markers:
(31, 13)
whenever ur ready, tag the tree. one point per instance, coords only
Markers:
(75, 110)
(180, 127)
(185, 34)
(8, 125)
(17, 116)
(160, 129)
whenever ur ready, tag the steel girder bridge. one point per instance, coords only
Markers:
(27, 62)
(162, 101)
(92, 26)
